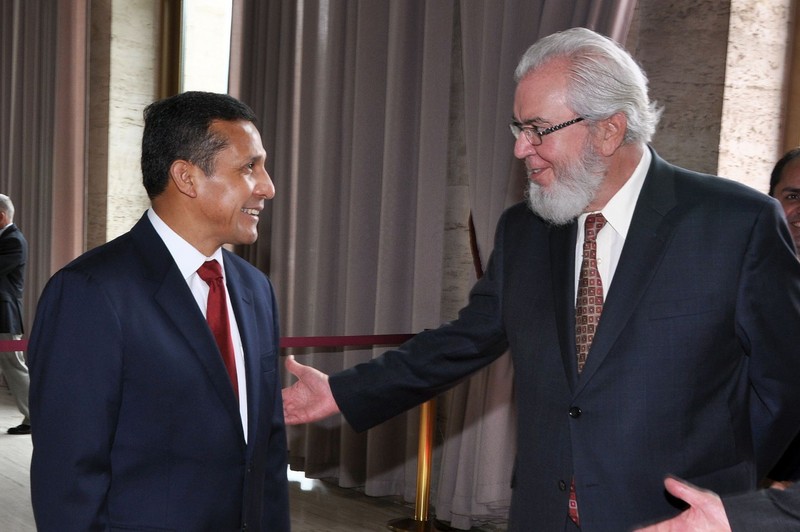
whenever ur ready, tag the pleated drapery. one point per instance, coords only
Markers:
(42, 157)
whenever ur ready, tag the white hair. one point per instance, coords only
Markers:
(604, 79)
(7, 206)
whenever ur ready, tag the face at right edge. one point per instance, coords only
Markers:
(787, 192)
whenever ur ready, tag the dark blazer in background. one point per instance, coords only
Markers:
(768, 510)
(694, 369)
(13, 257)
(135, 423)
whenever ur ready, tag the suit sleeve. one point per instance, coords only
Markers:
(75, 357)
(431, 362)
(768, 313)
(770, 509)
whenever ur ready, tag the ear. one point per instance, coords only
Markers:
(611, 133)
(183, 174)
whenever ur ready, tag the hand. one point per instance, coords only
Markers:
(310, 398)
(778, 484)
(706, 512)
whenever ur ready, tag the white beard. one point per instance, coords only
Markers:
(574, 187)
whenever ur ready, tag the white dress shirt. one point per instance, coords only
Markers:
(189, 260)
(618, 213)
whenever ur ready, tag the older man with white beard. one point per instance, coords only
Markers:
(637, 303)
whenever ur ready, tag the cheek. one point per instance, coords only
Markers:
(790, 207)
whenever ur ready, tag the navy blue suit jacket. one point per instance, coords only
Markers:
(135, 423)
(769, 510)
(694, 369)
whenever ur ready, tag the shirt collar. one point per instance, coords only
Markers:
(618, 212)
(183, 253)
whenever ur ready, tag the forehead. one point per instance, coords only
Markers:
(542, 93)
(791, 173)
(243, 138)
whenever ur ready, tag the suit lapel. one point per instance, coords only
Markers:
(242, 302)
(562, 258)
(644, 248)
(175, 298)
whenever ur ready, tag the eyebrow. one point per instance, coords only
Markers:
(530, 121)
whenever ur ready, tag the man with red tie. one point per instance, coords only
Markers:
(155, 399)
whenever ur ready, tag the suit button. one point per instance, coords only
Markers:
(562, 485)
(574, 412)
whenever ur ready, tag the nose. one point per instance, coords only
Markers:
(265, 187)
(523, 148)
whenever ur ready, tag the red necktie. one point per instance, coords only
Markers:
(217, 316)
(588, 307)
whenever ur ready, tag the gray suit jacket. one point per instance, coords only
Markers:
(764, 510)
(693, 370)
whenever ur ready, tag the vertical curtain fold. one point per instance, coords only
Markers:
(28, 54)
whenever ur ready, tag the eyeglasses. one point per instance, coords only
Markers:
(535, 134)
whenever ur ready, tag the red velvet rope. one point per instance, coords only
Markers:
(287, 342)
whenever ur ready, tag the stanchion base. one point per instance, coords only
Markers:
(409, 524)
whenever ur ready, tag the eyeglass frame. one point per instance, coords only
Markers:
(530, 131)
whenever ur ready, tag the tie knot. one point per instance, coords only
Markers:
(594, 222)
(210, 271)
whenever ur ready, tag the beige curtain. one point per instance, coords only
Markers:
(356, 119)
(42, 64)
(360, 103)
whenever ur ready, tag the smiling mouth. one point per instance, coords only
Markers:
(253, 212)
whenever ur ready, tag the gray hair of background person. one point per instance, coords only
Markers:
(7, 206)
(788, 157)
(604, 79)
(179, 128)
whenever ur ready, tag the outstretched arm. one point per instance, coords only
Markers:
(310, 398)
(706, 512)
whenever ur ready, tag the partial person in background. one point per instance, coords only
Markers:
(13, 258)
(767, 510)
(784, 185)
(638, 300)
(155, 392)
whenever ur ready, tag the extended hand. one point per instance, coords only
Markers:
(310, 398)
(706, 512)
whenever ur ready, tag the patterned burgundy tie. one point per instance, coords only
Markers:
(217, 316)
(588, 307)
(589, 303)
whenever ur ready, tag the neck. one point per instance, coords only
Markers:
(621, 166)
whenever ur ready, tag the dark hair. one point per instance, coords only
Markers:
(788, 157)
(178, 128)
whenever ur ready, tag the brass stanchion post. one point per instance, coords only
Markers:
(421, 521)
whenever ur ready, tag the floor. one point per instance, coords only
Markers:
(316, 506)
